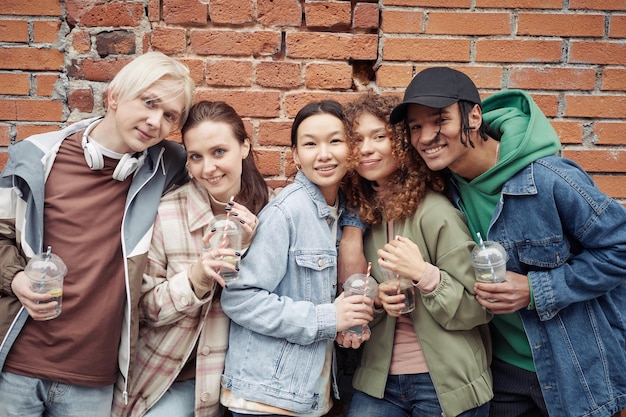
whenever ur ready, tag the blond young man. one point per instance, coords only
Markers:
(90, 192)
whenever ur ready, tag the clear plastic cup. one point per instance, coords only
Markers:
(403, 286)
(46, 277)
(489, 262)
(356, 284)
(228, 235)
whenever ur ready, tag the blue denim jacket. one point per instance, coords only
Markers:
(570, 240)
(283, 319)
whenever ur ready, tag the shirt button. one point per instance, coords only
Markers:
(184, 301)
(206, 350)
(205, 396)
(320, 262)
(328, 222)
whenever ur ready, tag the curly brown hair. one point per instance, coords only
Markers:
(409, 183)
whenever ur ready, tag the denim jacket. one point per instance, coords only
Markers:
(283, 319)
(570, 240)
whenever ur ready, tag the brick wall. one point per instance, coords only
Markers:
(269, 57)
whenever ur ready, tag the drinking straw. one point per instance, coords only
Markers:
(367, 284)
(367, 276)
(482, 245)
(45, 267)
(225, 233)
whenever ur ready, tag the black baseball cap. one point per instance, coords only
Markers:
(436, 87)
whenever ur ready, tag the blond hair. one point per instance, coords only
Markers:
(145, 70)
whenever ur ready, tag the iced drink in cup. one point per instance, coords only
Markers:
(359, 284)
(404, 286)
(227, 236)
(489, 261)
(46, 272)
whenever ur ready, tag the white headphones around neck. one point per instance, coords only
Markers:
(124, 168)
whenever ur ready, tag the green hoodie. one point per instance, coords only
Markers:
(525, 136)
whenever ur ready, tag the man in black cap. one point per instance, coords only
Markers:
(558, 332)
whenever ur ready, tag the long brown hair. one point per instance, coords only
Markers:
(409, 183)
(253, 192)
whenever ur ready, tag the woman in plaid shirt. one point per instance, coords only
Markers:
(183, 331)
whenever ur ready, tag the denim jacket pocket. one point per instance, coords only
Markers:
(319, 273)
(549, 252)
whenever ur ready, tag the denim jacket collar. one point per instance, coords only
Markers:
(314, 192)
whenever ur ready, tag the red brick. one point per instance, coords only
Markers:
(327, 14)
(426, 49)
(22, 58)
(612, 185)
(402, 21)
(46, 84)
(228, 73)
(81, 99)
(560, 24)
(610, 133)
(493, 50)
(4, 157)
(185, 12)
(5, 135)
(269, 162)
(264, 104)
(112, 13)
(196, 69)
(295, 101)
(596, 4)
(272, 133)
(570, 132)
(235, 43)
(14, 84)
(592, 160)
(617, 26)
(598, 52)
(31, 8)
(13, 31)
(613, 107)
(546, 78)
(279, 12)
(331, 45)
(366, 16)
(170, 41)
(81, 41)
(613, 79)
(329, 76)
(25, 130)
(483, 76)
(394, 76)
(154, 10)
(46, 31)
(520, 4)
(548, 103)
(115, 42)
(428, 3)
(468, 23)
(231, 12)
(32, 110)
(284, 75)
(96, 69)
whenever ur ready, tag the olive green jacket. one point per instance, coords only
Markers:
(449, 322)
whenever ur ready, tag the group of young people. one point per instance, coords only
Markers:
(150, 328)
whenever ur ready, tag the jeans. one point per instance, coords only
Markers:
(24, 396)
(178, 401)
(405, 396)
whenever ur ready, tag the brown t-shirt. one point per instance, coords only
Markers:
(83, 211)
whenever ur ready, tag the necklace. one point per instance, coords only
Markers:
(497, 153)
